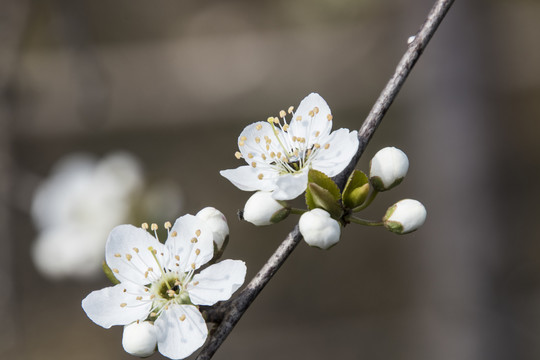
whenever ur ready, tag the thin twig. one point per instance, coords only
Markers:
(235, 308)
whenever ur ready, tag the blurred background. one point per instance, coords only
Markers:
(157, 92)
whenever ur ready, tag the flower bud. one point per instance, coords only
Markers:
(405, 216)
(140, 339)
(388, 168)
(262, 209)
(319, 229)
(216, 221)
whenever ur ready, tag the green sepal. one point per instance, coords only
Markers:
(108, 272)
(393, 226)
(321, 179)
(319, 197)
(356, 190)
(280, 215)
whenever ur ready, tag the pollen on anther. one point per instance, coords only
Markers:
(136, 250)
(196, 283)
(317, 133)
(139, 297)
(198, 232)
(282, 114)
(263, 156)
(316, 110)
(311, 113)
(194, 240)
(177, 257)
(286, 127)
(193, 266)
(241, 143)
(243, 138)
(167, 225)
(197, 251)
(270, 119)
(250, 155)
(326, 146)
(153, 227)
(299, 118)
(145, 274)
(129, 257)
(123, 305)
(183, 317)
(144, 226)
(254, 164)
(260, 176)
(115, 271)
(329, 117)
(117, 255)
(150, 269)
(124, 290)
(257, 140)
(174, 233)
(238, 155)
(153, 314)
(290, 110)
(258, 126)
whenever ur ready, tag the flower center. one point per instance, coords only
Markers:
(171, 288)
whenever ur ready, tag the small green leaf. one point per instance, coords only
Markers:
(319, 197)
(356, 190)
(280, 215)
(108, 272)
(321, 179)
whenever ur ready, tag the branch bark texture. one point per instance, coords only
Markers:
(230, 312)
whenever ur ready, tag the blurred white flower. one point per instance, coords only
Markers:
(162, 282)
(140, 338)
(77, 206)
(279, 156)
(405, 216)
(388, 168)
(318, 229)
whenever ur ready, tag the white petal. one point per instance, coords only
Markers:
(217, 222)
(290, 186)
(217, 282)
(127, 254)
(248, 178)
(121, 304)
(342, 147)
(252, 141)
(260, 208)
(307, 127)
(192, 244)
(180, 331)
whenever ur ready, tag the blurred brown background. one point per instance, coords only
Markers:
(174, 82)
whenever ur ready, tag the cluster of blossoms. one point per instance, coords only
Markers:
(160, 286)
(288, 158)
(81, 201)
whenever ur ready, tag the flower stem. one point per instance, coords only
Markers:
(298, 211)
(366, 203)
(364, 222)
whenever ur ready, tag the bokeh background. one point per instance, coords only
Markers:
(174, 82)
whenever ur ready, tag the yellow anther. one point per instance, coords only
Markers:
(129, 257)
(260, 176)
(316, 110)
(317, 133)
(238, 155)
(290, 110)
(258, 126)
(278, 154)
(139, 297)
(294, 138)
(115, 271)
(311, 113)
(316, 145)
(257, 139)
(194, 240)
(177, 257)
(299, 118)
(136, 250)
(193, 266)
(197, 251)
(174, 233)
(267, 147)
(250, 155)
(150, 269)
(145, 274)
(153, 227)
(183, 317)
(243, 138)
(196, 283)
(123, 305)
(117, 255)
(167, 225)
(326, 146)
(198, 232)
(308, 153)
(286, 127)
(276, 120)
(254, 164)
(144, 226)
(329, 117)
(241, 143)
(124, 290)
(153, 314)
(263, 156)
(272, 154)
(284, 159)
(270, 119)
(282, 114)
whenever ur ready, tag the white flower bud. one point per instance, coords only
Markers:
(388, 168)
(405, 216)
(217, 222)
(319, 229)
(262, 209)
(140, 339)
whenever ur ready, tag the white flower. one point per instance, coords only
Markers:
(261, 208)
(139, 338)
(405, 216)
(388, 168)
(319, 229)
(217, 222)
(280, 154)
(160, 282)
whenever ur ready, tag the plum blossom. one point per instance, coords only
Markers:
(319, 229)
(161, 283)
(280, 153)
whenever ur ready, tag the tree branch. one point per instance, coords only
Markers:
(233, 310)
